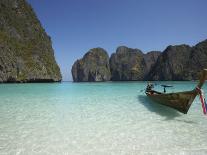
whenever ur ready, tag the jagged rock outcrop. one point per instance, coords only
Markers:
(26, 54)
(94, 66)
(150, 60)
(198, 60)
(180, 62)
(129, 64)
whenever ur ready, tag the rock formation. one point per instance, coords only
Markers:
(150, 59)
(198, 60)
(26, 54)
(171, 64)
(180, 62)
(127, 64)
(94, 66)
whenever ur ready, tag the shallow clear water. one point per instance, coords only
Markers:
(96, 118)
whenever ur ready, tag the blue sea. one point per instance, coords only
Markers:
(97, 119)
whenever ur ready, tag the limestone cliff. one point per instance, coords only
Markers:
(94, 66)
(150, 60)
(127, 64)
(180, 62)
(26, 53)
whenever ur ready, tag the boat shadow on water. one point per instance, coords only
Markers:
(159, 109)
(164, 111)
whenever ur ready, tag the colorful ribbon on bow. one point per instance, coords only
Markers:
(203, 100)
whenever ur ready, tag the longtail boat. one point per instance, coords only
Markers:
(180, 101)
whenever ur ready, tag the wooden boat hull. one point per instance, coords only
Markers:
(180, 101)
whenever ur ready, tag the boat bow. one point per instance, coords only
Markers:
(180, 101)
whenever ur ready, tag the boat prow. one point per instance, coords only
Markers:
(180, 101)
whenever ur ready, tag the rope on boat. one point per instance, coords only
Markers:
(203, 100)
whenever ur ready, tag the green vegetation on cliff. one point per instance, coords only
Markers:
(26, 53)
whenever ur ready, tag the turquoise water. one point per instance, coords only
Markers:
(96, 118)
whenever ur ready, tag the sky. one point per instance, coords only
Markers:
(76, 26)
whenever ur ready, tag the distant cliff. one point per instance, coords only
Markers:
(150, 60)
(180, 62)
(94, 66)
(26, 53)
(126, 64)
(129, 64)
